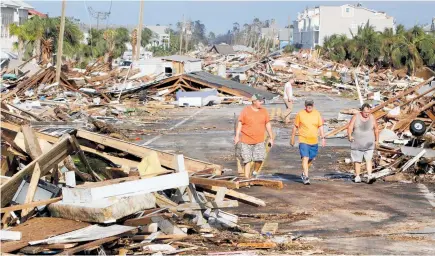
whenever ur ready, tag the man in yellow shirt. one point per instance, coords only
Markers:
(308, 122)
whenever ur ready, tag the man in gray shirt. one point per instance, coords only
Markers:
(363, 134)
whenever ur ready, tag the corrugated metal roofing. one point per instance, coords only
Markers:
(221, 82)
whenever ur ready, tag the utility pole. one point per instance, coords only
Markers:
(181, 36)
(139, 32)
(60, 43)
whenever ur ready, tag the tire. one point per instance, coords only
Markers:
(417, 128)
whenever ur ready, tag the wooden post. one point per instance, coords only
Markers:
(60, 42)
(361, 101)
(139, 32)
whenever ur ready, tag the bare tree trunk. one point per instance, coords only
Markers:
(20, 49)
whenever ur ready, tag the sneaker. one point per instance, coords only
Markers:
(370, 179)
(307, 181)
(357, 179)
(255, 174)
(303, 178)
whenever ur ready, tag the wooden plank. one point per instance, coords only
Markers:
(166, 159)
(98, 190)
(83, 159)
(144, 220)
(213, 205)
(237, 195)
(275, 184)
(31, 142)
(166, 226)
(89, 245)
(220, 194)
(46, 162)
(29, 205)
(31, 190)
(211, 182)
(430, 114)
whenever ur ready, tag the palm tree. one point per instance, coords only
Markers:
(411, 46)
(23, 37)
(368, 45)
(389, 40)
(335, 47)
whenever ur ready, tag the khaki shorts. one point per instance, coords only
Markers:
(251, 152)
(358, 155)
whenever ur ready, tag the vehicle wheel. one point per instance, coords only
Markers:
(417, 128)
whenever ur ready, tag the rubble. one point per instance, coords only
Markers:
(140, 200)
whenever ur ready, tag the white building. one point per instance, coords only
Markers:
(128, 54)
(160, 37)
(313, 25)
(16, 12)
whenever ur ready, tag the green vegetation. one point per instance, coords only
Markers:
(410, 49)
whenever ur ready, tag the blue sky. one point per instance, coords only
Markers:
(218, 16)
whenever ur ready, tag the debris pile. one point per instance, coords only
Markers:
(86, 192)
(406, 118)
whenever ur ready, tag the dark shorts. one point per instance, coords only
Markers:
(309, 151)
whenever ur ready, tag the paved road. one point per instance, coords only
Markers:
(342, 217)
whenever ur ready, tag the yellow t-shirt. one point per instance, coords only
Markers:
(308, 125)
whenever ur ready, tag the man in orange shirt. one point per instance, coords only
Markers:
(252, 125)
(308, 122)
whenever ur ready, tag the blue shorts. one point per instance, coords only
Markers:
(307, 150)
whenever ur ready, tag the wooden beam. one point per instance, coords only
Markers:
(46, 162)
(29, 205)
(204, 206)
(232, 194)
(14, 115)
(89, 245)
(166, 159)
(379, 107)
(31, 190)
(141, 221)
(211, 182)
(31, 142)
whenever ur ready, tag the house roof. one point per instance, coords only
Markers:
(222, 82)
(223, 49)
(180, 58)
(158, 29)
(15, 4)
(241, 69)
(36, 13)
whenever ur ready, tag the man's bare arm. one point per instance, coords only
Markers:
(350, 128)
(238, 130)
(375, 129)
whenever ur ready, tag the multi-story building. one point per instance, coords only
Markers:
(430, 28)
(160, 36)
(12, 12)
(313, 25)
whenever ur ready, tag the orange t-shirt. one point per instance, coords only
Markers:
(253, 125)
(308, 125)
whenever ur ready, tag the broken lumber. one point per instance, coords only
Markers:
(232, 194)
